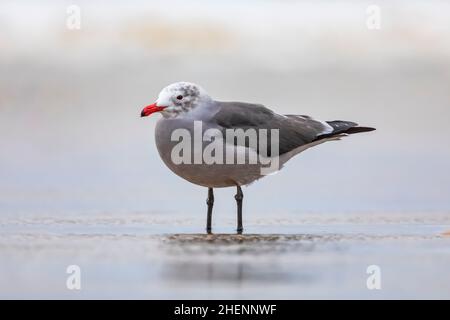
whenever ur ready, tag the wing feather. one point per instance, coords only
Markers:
(294, 130)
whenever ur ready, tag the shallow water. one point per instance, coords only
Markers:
(307, 256)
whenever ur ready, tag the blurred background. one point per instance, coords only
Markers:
(72, 142)
(72, 139)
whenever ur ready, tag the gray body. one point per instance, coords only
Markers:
(296, 134)
(193, 125)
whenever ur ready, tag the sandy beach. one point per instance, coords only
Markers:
(305, 257)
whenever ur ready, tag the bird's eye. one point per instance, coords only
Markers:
(179, 97)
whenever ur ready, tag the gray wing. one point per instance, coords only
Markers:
(294, 130)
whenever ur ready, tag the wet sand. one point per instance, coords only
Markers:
(141, 256)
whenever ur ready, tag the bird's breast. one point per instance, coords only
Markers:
(182, 147)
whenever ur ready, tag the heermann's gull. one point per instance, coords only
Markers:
(191, 117)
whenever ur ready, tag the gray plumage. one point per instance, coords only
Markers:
(294, 130)
(203, 126)
(296, 133)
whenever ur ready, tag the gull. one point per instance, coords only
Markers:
(192, 139)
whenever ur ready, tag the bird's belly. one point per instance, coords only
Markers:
(216, 175)
(193, 162)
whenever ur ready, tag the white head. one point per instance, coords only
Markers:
(177, 98)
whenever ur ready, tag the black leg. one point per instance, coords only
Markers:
(210, 203)
(239, 196)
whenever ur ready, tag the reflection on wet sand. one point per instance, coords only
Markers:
(224, 258)
(254, 258)
(307, 257)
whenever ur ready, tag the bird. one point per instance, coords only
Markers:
(192, 117)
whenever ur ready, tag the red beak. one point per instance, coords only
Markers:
(148, 110)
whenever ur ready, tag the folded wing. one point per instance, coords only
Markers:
(294, 130)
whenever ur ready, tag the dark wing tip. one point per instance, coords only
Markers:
(344, 127)
(359, 129)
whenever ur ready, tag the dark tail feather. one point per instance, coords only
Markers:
(344, 127)
(359, 129)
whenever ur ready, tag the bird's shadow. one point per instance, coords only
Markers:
(223, 239)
